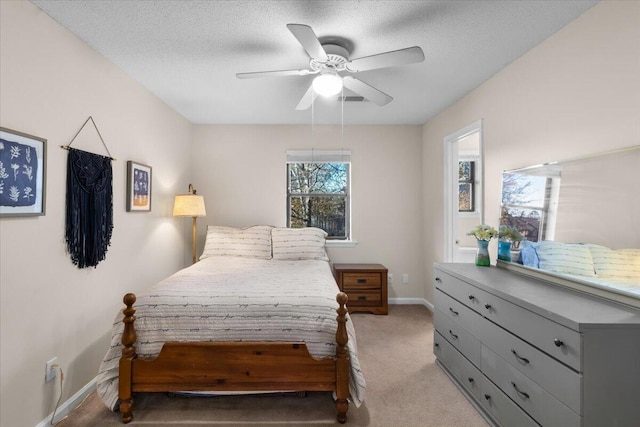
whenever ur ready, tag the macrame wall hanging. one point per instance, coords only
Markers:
(89, 214)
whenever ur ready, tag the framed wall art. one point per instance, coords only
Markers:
(22, 174)
(138, 187)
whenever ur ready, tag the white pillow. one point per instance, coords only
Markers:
(615, 264)
(250, 242)
(567, 258)
(299, 243)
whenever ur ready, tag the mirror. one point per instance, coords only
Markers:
(580, 223)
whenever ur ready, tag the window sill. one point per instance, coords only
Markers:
(341, 243)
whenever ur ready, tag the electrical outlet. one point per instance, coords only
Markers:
(390, 278)
(50, 372)
(405, 278)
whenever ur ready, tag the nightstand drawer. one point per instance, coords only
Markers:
(361, 281)
(363, 298)
(366, 286)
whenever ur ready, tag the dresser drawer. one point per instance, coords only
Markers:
(538, 403)
(360, 298)
(361, 281)
(459, 337)
(559, 341)
(467, 374)
(559, 380)
(502, 408)
(467, 294)
(458, 312)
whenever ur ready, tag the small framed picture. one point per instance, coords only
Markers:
(138, 187)
(22, 173)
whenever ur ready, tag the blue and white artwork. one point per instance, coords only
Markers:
(18, 174)
(22, 173)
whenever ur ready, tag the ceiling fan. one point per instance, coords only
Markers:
(330, 59)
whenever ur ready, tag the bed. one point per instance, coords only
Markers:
(245, 318)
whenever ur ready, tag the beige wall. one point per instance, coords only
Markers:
(50, 82)
(241, 172)
(576, 93)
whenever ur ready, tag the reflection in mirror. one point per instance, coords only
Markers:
(580, 219)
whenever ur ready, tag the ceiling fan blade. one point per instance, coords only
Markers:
(409, 55)
(307, 99)
(369, 92)
(282, 73)
(309, 41)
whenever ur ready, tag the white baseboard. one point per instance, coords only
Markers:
(411, 301)
(70, 404)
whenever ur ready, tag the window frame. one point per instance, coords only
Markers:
(318, 157)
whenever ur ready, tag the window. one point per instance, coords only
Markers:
(466, 186)
(318, 188)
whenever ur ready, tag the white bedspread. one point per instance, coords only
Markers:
(236, 299)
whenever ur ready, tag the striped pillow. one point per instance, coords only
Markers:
(251, 242)
(616, 264)
(299, 243)
(566, 258)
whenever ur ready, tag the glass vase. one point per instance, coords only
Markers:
(504, 250)
(482, 255)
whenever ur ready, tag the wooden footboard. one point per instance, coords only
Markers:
(230, 366)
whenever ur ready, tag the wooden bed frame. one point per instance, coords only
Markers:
(232, 366)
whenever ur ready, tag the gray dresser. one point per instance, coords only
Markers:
(530, 353)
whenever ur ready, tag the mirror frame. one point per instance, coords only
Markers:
(559, 279)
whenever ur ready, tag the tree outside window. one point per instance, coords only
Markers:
(318, 196)
(466, 186)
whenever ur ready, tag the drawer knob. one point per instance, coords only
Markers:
(453, 335)
(521, 393)
(455, 313)
(362, 298)
(436, 344)
(558, 342)
(487, 306)
(438, 280)
(472, 297)
(470, 380)
(486, 396)
(520, 358)
(362, 280)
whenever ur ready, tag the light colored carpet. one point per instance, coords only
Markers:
(404, 388)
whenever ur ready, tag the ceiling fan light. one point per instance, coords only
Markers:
(328, 83)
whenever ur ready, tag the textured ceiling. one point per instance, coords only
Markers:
(188, 52)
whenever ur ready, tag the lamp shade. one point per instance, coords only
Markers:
(189, 205)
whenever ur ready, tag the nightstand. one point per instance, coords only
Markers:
(366, 286)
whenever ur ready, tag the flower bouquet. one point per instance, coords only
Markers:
(483, 234)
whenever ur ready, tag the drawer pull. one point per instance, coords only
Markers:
(438, 280)
(470, 380)
(521, 393)
(362, 280)
(455, 313)
(472, 297)
(436, 344)
(362, 298)
(486, 396)
(558, 342)
(487, 306)
(520, 358)
(453, 335)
